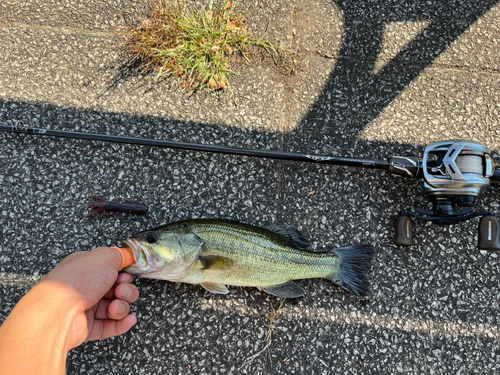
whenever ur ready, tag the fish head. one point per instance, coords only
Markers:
(163, 254)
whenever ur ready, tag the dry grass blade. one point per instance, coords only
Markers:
(191, 45)
(271, 329)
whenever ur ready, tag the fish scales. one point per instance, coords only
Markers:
(261, 258)
(216, 253)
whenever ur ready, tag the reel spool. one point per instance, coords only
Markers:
(455, 172)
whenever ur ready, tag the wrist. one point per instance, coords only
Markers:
(36, 336)
(61, 305)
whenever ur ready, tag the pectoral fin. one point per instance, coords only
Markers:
(286, 290)
(215, 263)
(215, 288)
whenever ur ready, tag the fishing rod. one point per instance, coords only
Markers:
(352, 162)
(454, 174)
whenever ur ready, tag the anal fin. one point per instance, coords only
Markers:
(216, 288)
(286, 290)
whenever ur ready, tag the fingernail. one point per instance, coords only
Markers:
(127, 292)
(121, 308)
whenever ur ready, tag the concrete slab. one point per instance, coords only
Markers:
(356, 111)
(97, 16)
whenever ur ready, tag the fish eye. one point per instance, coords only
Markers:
(151, 238)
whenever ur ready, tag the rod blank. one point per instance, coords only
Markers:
(271, 154)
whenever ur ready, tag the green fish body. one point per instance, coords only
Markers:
(215, 253)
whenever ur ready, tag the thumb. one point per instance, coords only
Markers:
(127, 256)
(108, 255)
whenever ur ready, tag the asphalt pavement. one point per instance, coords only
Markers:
(370, 79)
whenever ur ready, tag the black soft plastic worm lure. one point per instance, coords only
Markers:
(101, 206)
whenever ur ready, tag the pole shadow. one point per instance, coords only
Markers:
(354, 95)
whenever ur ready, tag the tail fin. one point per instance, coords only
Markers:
(354, 264)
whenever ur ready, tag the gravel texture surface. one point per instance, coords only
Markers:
(369, 79)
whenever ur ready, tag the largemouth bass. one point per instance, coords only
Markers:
(215, 253)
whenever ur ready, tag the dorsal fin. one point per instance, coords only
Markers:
(292, 235)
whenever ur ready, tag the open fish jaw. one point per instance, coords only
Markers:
(142, 256)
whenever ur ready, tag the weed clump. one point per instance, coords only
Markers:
(191, 45)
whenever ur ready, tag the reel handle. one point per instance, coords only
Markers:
(489, 234)
(404, 229)
(495, 179)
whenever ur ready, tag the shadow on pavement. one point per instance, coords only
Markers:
(354, 95)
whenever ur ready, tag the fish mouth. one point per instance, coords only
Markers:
(140, 252)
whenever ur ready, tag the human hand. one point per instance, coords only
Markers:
(99, 296)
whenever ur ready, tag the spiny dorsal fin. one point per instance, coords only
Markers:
(291, 234)
(215, 288)
(286, 290)
(215, 262)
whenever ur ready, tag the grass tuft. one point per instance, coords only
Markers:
(191, 45)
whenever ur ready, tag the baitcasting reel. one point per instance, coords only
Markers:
(455, 172)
